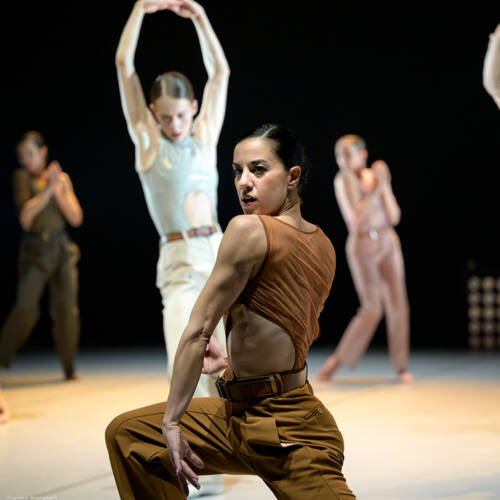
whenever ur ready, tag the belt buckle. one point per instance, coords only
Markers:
(45, 236)
(276, 384)
(205, 231)
(220, 383)
(373, 233)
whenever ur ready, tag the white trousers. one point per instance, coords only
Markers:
(183, 268)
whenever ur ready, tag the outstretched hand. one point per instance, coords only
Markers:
(182, 456)
(215, 357)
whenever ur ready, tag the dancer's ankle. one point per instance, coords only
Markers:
(405, 376)
(331, 365)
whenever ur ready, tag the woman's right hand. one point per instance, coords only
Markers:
(182, 456)
(368, 180)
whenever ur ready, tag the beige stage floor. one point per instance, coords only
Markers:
(438, 438)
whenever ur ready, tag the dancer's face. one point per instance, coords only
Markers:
(32, 157)
(348, 156)
(174, 115)
(262, 183)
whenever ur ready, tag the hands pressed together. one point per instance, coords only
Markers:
(55, 177)
(183, 8)
(377, 175)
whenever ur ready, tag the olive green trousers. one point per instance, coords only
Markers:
(45, 259)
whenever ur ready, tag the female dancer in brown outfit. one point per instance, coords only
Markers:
(273, 273)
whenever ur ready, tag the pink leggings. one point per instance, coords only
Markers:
(377, 269)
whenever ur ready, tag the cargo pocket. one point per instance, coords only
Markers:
(260, 443)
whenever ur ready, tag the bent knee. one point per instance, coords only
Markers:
(372, 314)
(116, 425)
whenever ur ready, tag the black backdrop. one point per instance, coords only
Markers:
(406, 78)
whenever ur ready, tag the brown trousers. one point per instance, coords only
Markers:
(377, 269)
(50, 260)
(291, 441)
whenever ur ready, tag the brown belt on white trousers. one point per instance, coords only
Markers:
(190, 233)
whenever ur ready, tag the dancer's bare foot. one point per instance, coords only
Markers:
(4, 411)
(331, 365)
(406, 377)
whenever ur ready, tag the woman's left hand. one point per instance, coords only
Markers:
(381, 171)
(215, 358)
(186, 8)
(182, 456)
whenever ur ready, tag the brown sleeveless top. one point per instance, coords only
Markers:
(293, 283)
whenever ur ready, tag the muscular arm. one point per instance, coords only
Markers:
(140, 121)
(211, 117)
(236, 263)
(29, 207)
(491, 67)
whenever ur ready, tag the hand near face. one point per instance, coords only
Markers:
(381, 171)
(368, 180)
(54, 173)
(182, 456)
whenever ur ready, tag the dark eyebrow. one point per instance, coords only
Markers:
(254, 162)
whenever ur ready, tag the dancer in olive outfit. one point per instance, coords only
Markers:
(45, 201)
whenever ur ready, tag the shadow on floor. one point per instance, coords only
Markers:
(13, 383)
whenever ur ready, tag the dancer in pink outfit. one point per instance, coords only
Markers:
(370, 211)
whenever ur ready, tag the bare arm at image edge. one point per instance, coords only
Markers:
(491, 67)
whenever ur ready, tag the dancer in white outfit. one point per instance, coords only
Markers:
(176, 163)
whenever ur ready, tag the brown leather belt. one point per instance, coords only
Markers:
(191, 233)
(260, 387)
